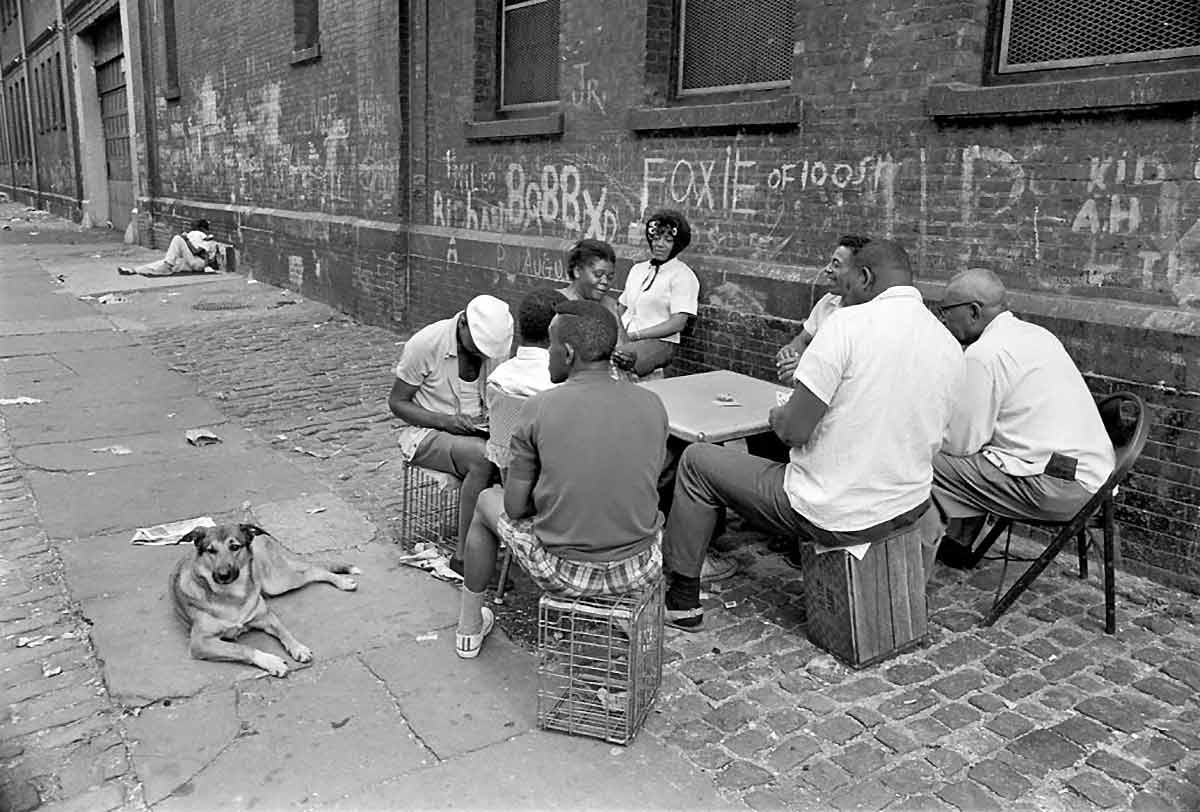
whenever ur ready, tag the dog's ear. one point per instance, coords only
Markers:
(195, 536)
(249, 531)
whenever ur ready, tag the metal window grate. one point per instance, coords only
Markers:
(529, 53)
(1050, 34)
(735, 44)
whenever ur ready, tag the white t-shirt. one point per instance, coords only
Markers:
(1022, 399)
(525, 374)
(821, 311)
(674, 290)
(888, 371)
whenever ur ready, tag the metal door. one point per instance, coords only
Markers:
(114, 116)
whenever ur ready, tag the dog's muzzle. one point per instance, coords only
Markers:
(225, 577)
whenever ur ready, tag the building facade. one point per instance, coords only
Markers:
(394, 158)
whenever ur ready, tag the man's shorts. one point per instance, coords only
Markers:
(579, 579)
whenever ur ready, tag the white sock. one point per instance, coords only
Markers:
(470, 612)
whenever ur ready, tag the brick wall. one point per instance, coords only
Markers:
(1093, 219)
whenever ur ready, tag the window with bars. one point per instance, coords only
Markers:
(306, 30)
(528, 53)
(1039, 35)
(734, 45)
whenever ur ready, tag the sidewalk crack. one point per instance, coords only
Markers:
(396, 704)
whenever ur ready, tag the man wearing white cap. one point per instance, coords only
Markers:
(439, 397)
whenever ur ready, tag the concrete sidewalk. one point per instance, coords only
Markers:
(1042, 711)
(104, 706)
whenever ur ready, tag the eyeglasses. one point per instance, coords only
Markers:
(942, 310)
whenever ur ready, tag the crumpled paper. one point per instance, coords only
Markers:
(161, 535)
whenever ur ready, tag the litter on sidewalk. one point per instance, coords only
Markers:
(199, 437)
(21, 400)
(112, 298)
(427, 557)
(113, 449)
(161, 535)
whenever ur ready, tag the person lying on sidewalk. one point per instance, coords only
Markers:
(523, 375)
(789, 354)
(579, 509)
(1025, 439)
(660, 295)
(438, 395)
(873, 395)
(190, 252)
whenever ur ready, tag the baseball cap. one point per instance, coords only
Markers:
(491, 326)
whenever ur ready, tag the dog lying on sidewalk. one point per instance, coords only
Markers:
(219, 590)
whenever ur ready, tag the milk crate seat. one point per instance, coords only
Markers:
(429, 506)
(599, 662)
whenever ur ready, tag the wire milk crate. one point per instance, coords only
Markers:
(599, 663)
(429, 510)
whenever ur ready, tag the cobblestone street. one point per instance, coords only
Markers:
(1043, 711)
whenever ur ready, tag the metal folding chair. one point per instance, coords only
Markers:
(1127, 424)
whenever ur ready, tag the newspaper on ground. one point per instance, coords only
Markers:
(161, 535)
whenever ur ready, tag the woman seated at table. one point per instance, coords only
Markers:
(590, 265)
(660, 295)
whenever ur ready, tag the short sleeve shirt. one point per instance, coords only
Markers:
(826, 305)
(888, 371)
(651, 298)
(430, 363)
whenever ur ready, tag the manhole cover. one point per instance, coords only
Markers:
(221, 306)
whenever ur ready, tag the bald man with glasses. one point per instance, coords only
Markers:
(1025, 439)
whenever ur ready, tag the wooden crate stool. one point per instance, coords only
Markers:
(429, 510)
(599, 663)
(864, 612)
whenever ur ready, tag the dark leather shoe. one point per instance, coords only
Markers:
(954, 555)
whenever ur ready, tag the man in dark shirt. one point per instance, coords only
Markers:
(580, 507)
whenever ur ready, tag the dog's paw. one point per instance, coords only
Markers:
(273, 665)
(301, 653)
(346, 584)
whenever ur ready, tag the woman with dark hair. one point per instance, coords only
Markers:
(660, 295)
(590, 267)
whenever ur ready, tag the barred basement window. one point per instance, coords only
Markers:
(735, 45)
(306, 31)
(528, 54)
(1054, 34)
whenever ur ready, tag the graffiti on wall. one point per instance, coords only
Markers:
(1043, 218)
(327, 153)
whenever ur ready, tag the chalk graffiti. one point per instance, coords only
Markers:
(585, 92)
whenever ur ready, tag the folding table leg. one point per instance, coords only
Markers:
(1082, 539)
(988, 540)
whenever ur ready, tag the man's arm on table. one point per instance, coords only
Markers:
(795, 421)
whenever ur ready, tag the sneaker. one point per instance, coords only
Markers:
(688, 620)
(467, 645)
(717, 569)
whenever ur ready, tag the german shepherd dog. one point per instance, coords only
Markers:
(219, 592)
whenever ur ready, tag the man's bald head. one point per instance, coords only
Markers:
(972, 299)
(976, 285)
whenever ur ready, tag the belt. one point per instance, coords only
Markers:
(878, 532)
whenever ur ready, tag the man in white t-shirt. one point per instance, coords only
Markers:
(787, 357)
(438, 395)
(873, 395)
(1025, 440)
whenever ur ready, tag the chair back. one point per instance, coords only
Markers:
(502, 419)
(1128, 426)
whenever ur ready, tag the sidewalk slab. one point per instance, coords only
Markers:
(153, 447)
(75, 422)
(314, 523)
(316, 735)
(547, 771)
(51, 342)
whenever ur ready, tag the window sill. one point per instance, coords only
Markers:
(1111, 93)
(302, 55)
(507, 128)
(782, 111)
(172, 93)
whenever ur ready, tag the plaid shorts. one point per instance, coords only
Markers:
(579, 579)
